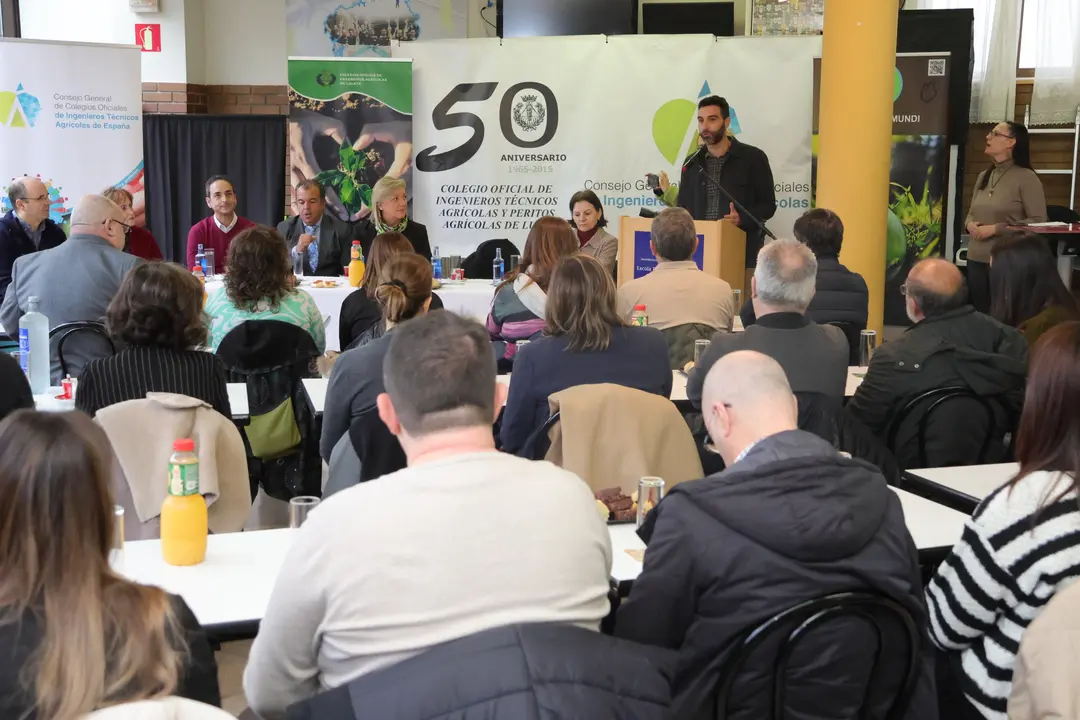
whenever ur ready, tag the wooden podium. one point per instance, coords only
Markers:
(721, 250)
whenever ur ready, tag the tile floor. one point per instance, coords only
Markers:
(231, 659)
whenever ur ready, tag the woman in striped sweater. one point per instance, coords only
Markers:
(1020, 547)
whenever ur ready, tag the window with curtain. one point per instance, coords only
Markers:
(1051, 45)
(996, 46)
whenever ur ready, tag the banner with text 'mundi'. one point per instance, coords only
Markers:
(506, 132)
(71, 114)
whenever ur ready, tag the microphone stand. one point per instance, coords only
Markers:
(743, 212)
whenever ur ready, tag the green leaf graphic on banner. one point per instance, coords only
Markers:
(346, 181)
(898, 84)
(669, 127)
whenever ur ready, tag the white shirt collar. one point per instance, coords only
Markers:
(230, 226)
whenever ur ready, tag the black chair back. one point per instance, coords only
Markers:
(271, 357)
(379, 451)
(537, 445)
(796, 623)
(853, 333)
(62, 332)
(477, 266)
(934, 400)
(1060, 213)
(680, 342)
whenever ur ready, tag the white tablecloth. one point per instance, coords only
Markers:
(471, 298)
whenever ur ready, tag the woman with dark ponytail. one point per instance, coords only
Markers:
(403, 292)
(1009, 193)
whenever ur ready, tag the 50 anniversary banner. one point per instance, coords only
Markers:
(506, 131)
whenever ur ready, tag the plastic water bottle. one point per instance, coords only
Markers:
(34, 339)
(200, 259)
(497, 267)
(436, 264)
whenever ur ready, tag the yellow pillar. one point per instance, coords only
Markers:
(858, 58)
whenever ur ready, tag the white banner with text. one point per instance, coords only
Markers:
(71, 114)
(507, 131)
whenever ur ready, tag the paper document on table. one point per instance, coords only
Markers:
(1047, 224)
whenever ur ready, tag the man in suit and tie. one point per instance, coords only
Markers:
(324, 241)
(75, 281)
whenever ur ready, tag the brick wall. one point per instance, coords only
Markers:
(1047, 151)
(174, 98)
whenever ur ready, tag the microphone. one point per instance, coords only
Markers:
(693, 157)
(743, 212)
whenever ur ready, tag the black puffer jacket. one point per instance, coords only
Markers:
(825, 417)
(520, 672)
(962, 348)
(841, 296)
(792, 521)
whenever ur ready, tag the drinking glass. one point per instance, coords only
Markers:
(298, 264)
(116, 549)
(23, 358)
(700, 346)
(867, 345)
(650, 492)
(515, 260)
(737, 294)
(299, 509)
(211, 269)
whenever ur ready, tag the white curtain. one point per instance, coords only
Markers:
(997, 42)
(1056, 40)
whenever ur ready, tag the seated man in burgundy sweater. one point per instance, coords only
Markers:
(218, 230)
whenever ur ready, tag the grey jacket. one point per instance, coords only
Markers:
(75, 281)
(335, 243)
(814, 357)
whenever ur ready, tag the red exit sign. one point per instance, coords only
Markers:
(148, 37)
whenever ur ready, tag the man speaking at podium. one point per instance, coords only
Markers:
(740, 169)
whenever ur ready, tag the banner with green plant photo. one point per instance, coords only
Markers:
(918, 177)
(350, 123)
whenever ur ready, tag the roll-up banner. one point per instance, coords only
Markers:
(350, 123)
(71, 115)
(919, 175)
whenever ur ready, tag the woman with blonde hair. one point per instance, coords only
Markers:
(140, 241)
(404, 292)
(74, 635)
(390, 213)
(360, 312)
(585, 342)
(519, 307)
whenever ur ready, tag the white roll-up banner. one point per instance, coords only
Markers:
(507, 131)
(71, 114)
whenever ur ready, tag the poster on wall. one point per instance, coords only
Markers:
(507, 131)
(71, 115)
(350, 123)
(366, 28)
(918, 175)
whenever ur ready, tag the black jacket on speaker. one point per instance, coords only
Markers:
(841, 297)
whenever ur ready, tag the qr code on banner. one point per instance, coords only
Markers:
(936, 68)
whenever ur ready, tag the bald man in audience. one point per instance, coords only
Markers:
(790, 520)
(949, 345)
(75, 281)
(26, 228)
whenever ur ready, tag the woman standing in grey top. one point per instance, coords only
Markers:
(1009, 193)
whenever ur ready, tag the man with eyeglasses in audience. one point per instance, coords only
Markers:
(75, 281)
(26, 228)
(790, 520)
(951, 344)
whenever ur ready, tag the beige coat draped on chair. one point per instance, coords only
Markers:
(610, 435)
(142, 433)
(1045, 676)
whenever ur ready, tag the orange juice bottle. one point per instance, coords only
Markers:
(183, 514)
(356, 266)
(196, 270)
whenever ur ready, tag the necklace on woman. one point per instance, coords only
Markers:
(995, 183)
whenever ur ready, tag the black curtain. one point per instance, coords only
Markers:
(182, 151)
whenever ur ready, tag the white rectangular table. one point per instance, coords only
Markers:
(230, 590)
(932, 527)
(961, 487)
(238, 400)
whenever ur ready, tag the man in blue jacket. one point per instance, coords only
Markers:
(790, 520)
(27, 227)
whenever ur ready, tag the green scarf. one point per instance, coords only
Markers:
(399, 228)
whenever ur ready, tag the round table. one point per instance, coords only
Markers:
(471, 298)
